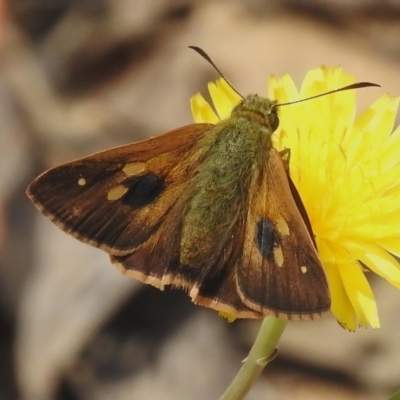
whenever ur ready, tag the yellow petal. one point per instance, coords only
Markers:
(378, 260)
(360, 294)
(391, 244)
(379, 120)
(233, 97)
(202, 111)
(220, 100)
(341, 306)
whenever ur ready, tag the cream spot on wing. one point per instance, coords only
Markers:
(278, 256)
(134, 168)
(117, 192)
(282, 226)
(303, 269)
(82, 182)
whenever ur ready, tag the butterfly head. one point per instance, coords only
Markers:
(258, 109)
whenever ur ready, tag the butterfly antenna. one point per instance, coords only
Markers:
(353, 86)
(207, 58)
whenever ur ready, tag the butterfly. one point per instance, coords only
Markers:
(207, 208)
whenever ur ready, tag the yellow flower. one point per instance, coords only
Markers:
(347, 172)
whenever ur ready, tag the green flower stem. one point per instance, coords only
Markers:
(262, 352)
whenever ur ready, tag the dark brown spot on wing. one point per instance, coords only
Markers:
(266, 237)
(142, 190)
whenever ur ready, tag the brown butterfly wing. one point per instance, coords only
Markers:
(213, 284)
(217, 288)
(280, 272)
(112, 200)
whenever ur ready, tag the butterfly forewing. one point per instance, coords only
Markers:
(112, 199)
(280, 272)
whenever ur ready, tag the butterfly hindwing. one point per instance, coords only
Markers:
(211, 284)
(280, 272)
(112, 199)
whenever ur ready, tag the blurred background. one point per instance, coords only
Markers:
(81, 76)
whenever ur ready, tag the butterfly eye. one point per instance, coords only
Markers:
(273, 120)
